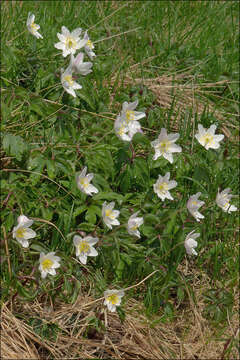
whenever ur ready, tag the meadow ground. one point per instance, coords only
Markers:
(181, 61)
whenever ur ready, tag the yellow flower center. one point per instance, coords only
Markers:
(84, 182)
(164, 145)
(89, 44)
(130, 115)
(113, 299)
(47, 264)
(69, 80)
(207, 139)
(134, 227)
(83, 247)
(109, 214)
(21, 232)
(70, 43)
(163, 187)
(33, 26)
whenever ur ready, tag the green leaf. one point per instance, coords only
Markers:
(108, 196)
(14, 146)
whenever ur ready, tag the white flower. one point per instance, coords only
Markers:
(163, 185)
(133, 223)
(70, 42)
(21, 232)
(89, 46)
(190, 243)
(194, 204)
(48, 264)
(207, 137)
(83, 182)
(79, 66)
(84, 247)
(223, 201)
(32, 27)
(164, 145)
(109, 215)
(113, 298)
(126, 124)
(128, 114)
(68, 83)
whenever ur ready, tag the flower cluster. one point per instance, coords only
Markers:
(126, 126)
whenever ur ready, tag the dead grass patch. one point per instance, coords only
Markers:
(189, 336)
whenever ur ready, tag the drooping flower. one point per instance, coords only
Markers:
(133, 223)
(190, 243)
(32, 27)
(70, 42)
(89, 46)
(207, 137)
(21, 232)
(68, 83)
(165, 145)
(83, 182)
(113, 298)
(109, 215)
(48, 264)
(84, 247)
(79, 66)
(223, 201)
(194, 204)
(162, 186)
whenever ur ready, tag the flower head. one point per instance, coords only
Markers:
(48, 264)
(109, 215)
(223, 201)
(21, 232)
(128, 114)
(83, 182)
(133, 223)
(32, 27)
(190, 243)
(165, 145)
(207, 137)
(84, 247)
(162, 186)
(79, 66)
(113, 298)
(89, 46)
(194, 204)
(68, 83)
(70, 42)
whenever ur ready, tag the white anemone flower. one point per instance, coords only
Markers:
(194, 204)
(128, 114)
(68, 83)
(207, 137)
(89, 46)
(70, 42)
(113, 298)
(109, 215)
(79, 66)
(83, 182)
(32, 27)
(126, 131)
(223, 201)
(133, 223)
(190, 243)
(48, 264)
(21, 232)
(165, 145)
(162, 186)
(84, 247)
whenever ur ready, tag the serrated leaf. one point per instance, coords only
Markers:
(14, 145)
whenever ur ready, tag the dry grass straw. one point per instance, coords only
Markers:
(188, 93)
(188, 336)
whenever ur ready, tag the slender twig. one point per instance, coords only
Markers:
(7, 252)
(113, 36)
(50, 223)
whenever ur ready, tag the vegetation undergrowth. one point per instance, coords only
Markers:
(48, 137)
